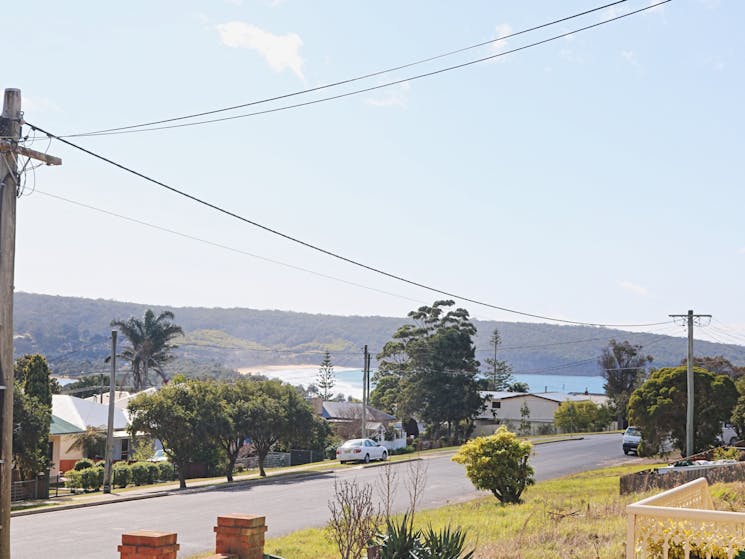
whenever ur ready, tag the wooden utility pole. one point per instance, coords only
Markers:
(690, 429)
(10, 134)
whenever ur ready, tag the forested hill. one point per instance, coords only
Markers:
(74, 335)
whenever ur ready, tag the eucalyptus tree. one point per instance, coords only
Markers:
(150, 346)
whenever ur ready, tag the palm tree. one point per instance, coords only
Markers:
(92, 442)
(149, 344)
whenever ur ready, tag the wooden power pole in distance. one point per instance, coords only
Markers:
(10, 134)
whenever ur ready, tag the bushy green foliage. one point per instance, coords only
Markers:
(31, 420)
(140, 473)
(92, 478)
(166, 471)
(738, 413)
(582, 416)
(404, 450)
(122, 474)
(428, 369)
(153, 472)
(83, 464)
(658, 408)
(498, 463)
(73, 479)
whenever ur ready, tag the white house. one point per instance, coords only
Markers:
(534, 410)
(71, 416)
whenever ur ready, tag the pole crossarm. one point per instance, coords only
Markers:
(9, 147)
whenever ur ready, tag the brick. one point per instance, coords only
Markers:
(241, 520)
(149, 538)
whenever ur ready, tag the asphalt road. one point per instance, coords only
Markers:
(289, 504)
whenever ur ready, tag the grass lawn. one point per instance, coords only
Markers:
(580, 516)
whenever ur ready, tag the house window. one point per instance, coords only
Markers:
(125, 449)
(496, 405)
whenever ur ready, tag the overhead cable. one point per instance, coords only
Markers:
(130, 130)
(327, 252)
(348, 80)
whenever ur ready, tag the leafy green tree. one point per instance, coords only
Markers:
(32, 371)
(32, 409)
(498, 463)
(181, 416)
(518, 387)
(658, 408)
(738, 412)
(326, 380)
(150, 346)
(88, 386)
(500, 372)
(582, 416)
(30, 433)
(719, 365)
(276, 413)
(624, 368)
(429, 369)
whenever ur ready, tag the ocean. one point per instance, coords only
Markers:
(349, 381)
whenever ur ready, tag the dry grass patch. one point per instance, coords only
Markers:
(580, 517)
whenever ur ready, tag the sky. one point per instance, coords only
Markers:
(595, 178)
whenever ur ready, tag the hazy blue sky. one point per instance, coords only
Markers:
(596, 178)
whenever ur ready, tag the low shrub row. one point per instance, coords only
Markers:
(90, 477)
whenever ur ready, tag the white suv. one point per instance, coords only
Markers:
(631, 439)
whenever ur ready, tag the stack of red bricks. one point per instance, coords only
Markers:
(241, 535)
(146, 544)
(237, 536)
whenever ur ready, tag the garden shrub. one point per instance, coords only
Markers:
(498, 463)
(92, 478)
(83, 464)
(165, 471)
(140, 473)
(73, 479)
(122, 474)
(153, 472)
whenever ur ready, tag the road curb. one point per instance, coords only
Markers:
(168, 492)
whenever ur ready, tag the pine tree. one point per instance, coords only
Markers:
(500, 376)
(326, 380)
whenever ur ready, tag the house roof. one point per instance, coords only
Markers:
(84, 413)
(353, 410)
(553, 396)
(58, 426)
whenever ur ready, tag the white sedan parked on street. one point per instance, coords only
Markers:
(361, 450)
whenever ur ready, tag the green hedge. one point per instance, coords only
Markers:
(122, 474)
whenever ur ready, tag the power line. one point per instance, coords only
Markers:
(225, 247)
(316, 248)
(139, 128)
(348, 80)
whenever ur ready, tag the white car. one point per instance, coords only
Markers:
(361, 450)
(631, 439)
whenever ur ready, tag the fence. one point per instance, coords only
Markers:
(681, 524)
(280, 459)
(653, 479)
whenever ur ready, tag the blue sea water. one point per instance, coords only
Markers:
(349, 381)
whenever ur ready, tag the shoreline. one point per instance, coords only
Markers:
(261, 369)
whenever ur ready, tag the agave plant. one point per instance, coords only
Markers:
(400, 541)
(446, 544)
